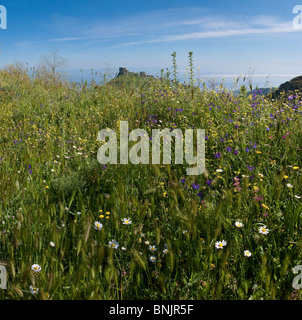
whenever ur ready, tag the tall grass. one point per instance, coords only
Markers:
(52, 189)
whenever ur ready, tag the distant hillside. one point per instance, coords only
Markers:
(264, 91)
(294, 86)
(126, 79)
(261, 91)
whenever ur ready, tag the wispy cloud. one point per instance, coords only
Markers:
(213, 29)
(162, 26)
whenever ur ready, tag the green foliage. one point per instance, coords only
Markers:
(53, 191)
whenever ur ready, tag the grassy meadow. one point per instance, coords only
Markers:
(72, 228)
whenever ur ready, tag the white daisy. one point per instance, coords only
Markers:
(263, 230)
(113, 244)
(220, 244)
(152, 248)
(165, 251)
(98, 225)
(52, 243)
(127, 221)
(33, 289)
(36, 268)
(247, 253)
(152, 259)
(238, 224)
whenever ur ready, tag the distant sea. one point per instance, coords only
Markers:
(256, 80)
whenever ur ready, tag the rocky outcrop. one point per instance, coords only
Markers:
(125, 72)
(294, 86)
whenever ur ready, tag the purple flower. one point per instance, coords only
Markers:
(229, 149)
(250, 168)
(195, 186)
(236, 152)
(183, 181)
(200, 195)
(247, 149)
(209, 182)
(218, 155)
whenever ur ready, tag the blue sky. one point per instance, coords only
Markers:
(227, 37)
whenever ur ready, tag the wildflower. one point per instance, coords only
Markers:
(124, 249)
(296, 168)
(209, 182)
(113, 244)
(33, 289)
(101, 216)
(256, 189)
(247, 253)
(79, 213)
(127, 221)
(66, 208)
(263, 230)
(152, 259)
(289, 186)
(98, 225)
(52, 243)
(165, 251)
(195, 186)
(219, 170)
(147, 242)
(220, 244)
(297, 197)
(152, 248)
(36, 268)
(265, 206)
(250, 168)
(238, 224)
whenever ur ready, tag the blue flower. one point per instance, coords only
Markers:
(195, 186)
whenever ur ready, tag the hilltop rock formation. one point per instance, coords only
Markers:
(290, 87)
(125, 72)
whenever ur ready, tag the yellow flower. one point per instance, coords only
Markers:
(285, 177)
(101, 216)
(264, 206)
(296, 168)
